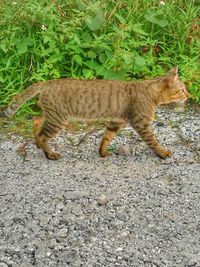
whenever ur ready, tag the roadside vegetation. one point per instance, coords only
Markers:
(88, 39)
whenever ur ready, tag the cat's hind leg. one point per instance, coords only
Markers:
(49, 130)
(110, 133)
(37, 124)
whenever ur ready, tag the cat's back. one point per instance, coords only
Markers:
(86, 98)
(76, 86)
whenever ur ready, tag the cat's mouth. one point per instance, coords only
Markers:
(182, 102)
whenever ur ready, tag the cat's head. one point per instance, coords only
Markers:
(172, 89)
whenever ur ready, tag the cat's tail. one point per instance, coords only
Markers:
(20, 99)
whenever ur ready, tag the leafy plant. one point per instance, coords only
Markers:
(41, 40)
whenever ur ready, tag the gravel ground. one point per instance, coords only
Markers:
(131, 209)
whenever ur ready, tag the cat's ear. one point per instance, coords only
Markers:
(174, 71)
(172, 75)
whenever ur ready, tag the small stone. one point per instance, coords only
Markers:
(52, 243)
(44, 220)
(123, 151)
(62, 233)
(102, 200)
(30, 250)
(60, 206)
(59, 248)
(160, 123)
(70, 257)
(193, 260)
(125, 234)
(77, 210)
(117, 224)
(151, 225)
(118, 249)
(48, 253)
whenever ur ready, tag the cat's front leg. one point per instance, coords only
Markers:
(110, 133)
(149, 138)
(162, 152)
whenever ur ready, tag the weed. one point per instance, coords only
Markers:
(43, 40)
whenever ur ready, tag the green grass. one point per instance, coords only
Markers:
(115, 39)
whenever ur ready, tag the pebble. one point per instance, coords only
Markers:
(60, 206)
(102, 200)
(123, 151)
(52, 243)
(119, 249)
(62, 233)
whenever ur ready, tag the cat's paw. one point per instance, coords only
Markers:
(168, 154)
(104, 154)
(37, 144)
(53, 155)
(163, 153)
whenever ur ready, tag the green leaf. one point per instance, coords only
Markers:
(78, 59)
(3, 47)
(22, 48)
(102, 58)
(162, 23)
(92, 64)
(88, 74)
(77, 40)
(73, 47)
(87, 37)
(112, 148)
(101, 70)
(55, 58)
(9, 61)
(28, 41)
(81, 5)
(91, 54)
(128, 58)
(55, 74)
(94, 23)
(46, 39)
(120, 18)
(111, 75)
(137, 28)
(109, 54)
(140, 63)
(155, 17)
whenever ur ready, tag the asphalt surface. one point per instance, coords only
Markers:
(131, 209)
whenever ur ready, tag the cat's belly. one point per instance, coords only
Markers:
(116, 118)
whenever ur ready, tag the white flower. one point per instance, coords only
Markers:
(162, 3)
(43, 27)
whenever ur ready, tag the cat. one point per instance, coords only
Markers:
(118, 102)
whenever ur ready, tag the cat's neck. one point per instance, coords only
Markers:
(148, 90)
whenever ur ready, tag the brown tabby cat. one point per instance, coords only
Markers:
(115, 101)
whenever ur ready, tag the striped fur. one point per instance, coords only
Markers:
(118, 102)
